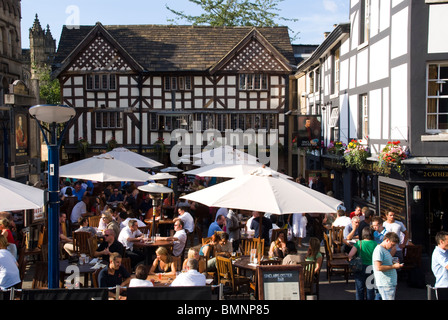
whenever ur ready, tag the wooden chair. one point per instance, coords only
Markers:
(309, 276)
(80, 242)
(255, 243)
(126, 263)
(38, 249)
(335, 265)
(336, 237)
(94, 221)
(92, 243)
(95, 283)
(227, 276)
(149, 226)
(40, 278)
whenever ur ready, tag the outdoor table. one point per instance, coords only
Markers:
(150, 247)
(86, 269)
(161, 280)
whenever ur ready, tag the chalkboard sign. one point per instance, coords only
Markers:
(278, 282)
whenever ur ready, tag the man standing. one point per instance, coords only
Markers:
(439, 261)
(377, 225)
(342, 220)
(384, 268)
(266, 225)
(233, 229)
(392, 225)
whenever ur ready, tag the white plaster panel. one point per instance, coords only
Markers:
(362, 68)
(384, 15)
(78, 80)
(399, 103)
(399, 34)
(386, 111)
(438, 28)
(375, 106)
(379, 60)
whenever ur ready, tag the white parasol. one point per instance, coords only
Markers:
(18, 196)
(133, 159)
(103, 168)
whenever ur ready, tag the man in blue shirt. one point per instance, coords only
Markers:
(217, 225)
(439, 261)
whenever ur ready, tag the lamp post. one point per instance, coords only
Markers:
(53, 115)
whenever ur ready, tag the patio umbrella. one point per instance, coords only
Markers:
(134, 159)
(18, 196)
(103, 168)
(223, 155)
(265, 191)
(229, 170)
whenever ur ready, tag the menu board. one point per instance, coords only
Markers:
(280, 282)
(393, 197)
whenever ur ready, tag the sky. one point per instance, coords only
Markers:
(314, 17)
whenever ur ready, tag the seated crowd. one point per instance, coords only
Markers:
(124, 212)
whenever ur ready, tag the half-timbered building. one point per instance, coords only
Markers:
(137, 83)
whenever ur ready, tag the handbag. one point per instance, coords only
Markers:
(356, 263)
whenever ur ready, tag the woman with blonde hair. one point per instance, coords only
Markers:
(163, 263)
(314, 254)
(278, 246)
(193, 253)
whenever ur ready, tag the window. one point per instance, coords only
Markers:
(364, 26)
(437, 98)
(108, 120)
(101, 82)
(335, 71)
(253, 81)
(177, 83)
(364, 117)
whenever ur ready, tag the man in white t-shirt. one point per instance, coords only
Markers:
(127, 237)
(80, 210)
(392, 225)
(179, 238)
(342, 220)
(190, 278)
(186, 218)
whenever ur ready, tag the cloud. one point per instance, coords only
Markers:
(330, 5)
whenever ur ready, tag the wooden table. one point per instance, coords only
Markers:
(163, 281)
(149, 247)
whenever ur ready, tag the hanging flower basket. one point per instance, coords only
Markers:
(391, 157)
(111, 144)
(159, 147)
(82, 145)
(356, 155)
(336, 148)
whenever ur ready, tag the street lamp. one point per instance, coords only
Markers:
(53, 115)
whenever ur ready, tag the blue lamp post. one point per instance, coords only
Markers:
(53, 115)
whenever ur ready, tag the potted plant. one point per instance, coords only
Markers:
(111, 144)
(391, 156)
(82, 145)
(356, 155)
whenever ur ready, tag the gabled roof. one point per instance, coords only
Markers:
(330, 41)
(171, 48)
